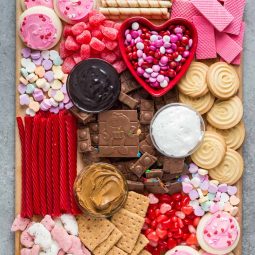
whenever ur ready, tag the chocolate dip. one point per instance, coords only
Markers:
(100, 189)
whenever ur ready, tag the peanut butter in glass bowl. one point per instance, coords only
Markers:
(100, 190)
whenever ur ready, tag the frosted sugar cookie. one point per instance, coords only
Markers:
(72, 11)
(230, 169)
(202, 104)
(39, 28)
(211, 151)
(222, 80)
(218, 233)
(193, 83)
(225, 114)
(182, 250)
(25, 4)
(201, 252)
(234, 136)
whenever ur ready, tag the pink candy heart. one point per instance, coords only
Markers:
(186, 187)
(199, 211)
(165, 208)
(152, 199)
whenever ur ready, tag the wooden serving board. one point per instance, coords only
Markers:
(20, 111)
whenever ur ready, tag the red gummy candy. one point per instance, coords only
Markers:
(63, 52)
(98, 34)
(96, 18)
(108, 23)
(71, 44)
(108, 56)
(85, 51)
(78, 28)
(96, 44)
(109, 32)
(120, 66)
(117, 26)
(77, 58)
(68, 65)
(67, 31)
(84, 37)
(110, 45)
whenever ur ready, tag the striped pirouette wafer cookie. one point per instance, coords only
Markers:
(123, 17)
(226, 114)
(193, 83)
(136, 3)
(202, 104)
(230, 170)
(211, 151)
(222, 80)
(234, 136)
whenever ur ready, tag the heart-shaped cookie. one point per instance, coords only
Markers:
(157, 56)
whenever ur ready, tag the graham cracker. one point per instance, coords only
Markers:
(107, 245)
(130, 225)
(140, 244)
(144, 252)
(116, 251)
(93, 231)
(137, 203)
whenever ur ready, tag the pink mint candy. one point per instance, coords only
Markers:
(193, 194)
(165, 208)
(212, 188)
(48, 222)
(186, 187)
(152, 199)
(24, 99)
(214, 208)
(204, 185)
(26, 239)
(218, 196)
(193, 168)
(19, 223)
(223, 187)
(199, 211)
(60, 235)
(232, 190)
(76, 246)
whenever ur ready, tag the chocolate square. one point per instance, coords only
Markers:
(173, 165)
(153, 173)
(135, 186)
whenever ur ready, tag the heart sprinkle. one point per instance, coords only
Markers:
(158, 56)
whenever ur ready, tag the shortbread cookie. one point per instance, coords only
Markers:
(234, 136)
(211, 151)
(222, 80)
(25, 4)
(202, 104)
(73, 11)
(218, 233)
(202, 252)
(182, 249)
(193, 83)
(225, 114)
(39, 28)
(230, 170)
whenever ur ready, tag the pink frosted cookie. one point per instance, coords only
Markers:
(73, 11)
(218, 233)
(25, 4)
(201, 252)
(40, 28)
(182, 250)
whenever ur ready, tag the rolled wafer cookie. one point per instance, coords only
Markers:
(162, 12)
(123, 17)
(202, 104)
(222, 80)
(234, 136)
(230, 170)
(136, 3)
(225, 114)
(193, 83)
(218, 233)
(211, 151)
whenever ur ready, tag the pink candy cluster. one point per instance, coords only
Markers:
(157, 56)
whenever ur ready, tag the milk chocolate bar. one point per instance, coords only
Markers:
(156, 186)
(145, 130)
(84, 141)
(173, 187)
(82, 117)
(94, 130)
(124, 168)
(173, 165)
(135, 186)
(153, 173)
(147, 146)
(128, 83)
(146, 111)
(142, 164)
(118, 133)
(128, 100)
(171, 96)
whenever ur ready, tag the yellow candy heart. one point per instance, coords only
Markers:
(59, 96)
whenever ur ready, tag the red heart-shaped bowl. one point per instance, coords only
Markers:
(157, 92)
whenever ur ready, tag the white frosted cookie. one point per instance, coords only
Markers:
(222, 80)
(73, 11)
(25, 4)
(218, 233)
(193, 83)
(225, 114)
(182, 250)
(39, 28)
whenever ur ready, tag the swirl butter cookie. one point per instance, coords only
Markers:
(230, 169)
(218, 233)
(182, 250)
(225, 114)
(222, 80)
(234, 136)
(193, 83)
(211, 151)
(202, 104)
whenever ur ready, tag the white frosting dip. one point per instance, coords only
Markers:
(176, 130)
